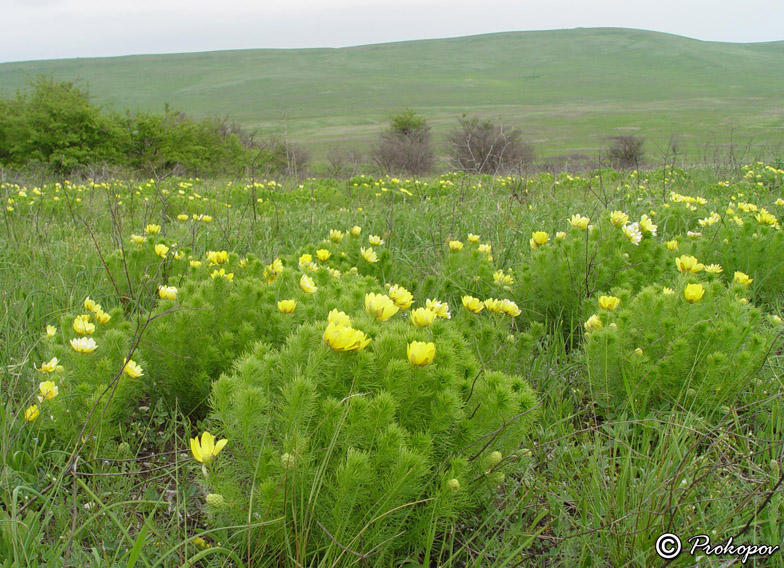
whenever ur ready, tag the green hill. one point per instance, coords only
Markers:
(566, 89)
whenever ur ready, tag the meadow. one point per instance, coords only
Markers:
(567, 90)
(549, 370)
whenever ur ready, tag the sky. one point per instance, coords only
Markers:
(54, 29)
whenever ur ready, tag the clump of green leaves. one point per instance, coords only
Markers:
(657, 349)
(362, 446)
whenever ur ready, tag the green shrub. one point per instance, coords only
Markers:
(84, 379)
(658, 350)
(363, 444)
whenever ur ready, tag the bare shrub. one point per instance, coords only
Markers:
(482, 146)
(626, 151)
(342, 162)
(406, 147)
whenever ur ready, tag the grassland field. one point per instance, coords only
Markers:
(567, 90)
(525, 371)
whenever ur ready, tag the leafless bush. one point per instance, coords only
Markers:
(343, 162)
(482, 146)
(406, 147)
(626, 151)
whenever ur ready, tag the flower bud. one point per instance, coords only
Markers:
(287, 461)
(215, 500)
(493, 459)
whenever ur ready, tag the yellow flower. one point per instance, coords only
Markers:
(693, 293)
(82, 325)
(132, 369)
(593, 323)
(369, 254)
(380, 306)
(472, 304)
(441, 309)
(711, 220)
(344, 338)
(222, 274)
(272, 271)
(764, 217)
(335, 236)
(31, 413)
(667, 291)
(688, 264)
(560, 235)
(307, 285)
(500, 278)
(538, 238)
(742, 278)
(421, 353)
(619, 218)
(201, 543)
(287, 306)
(323, 254)
(195, 263)
(355, 230)
(47, 391)
(375, 240)
(422, 317)
(510, 308)
(647, 225)
(485, 248)
(206, 218)
(152, 229)
(579, 221)
(207, 449)
(633, 233)
(161, 250)
(49, 367)
(609, 302)
(672, 245)
(83, 344)
(91, 305)
(334, 272)
(102, 317)
(338, 317)
(305, 259)
(493, 305)
(472, 238)
(167, 292)
(714, 269)
(182, 217)
(455, 246)
(217, 257)
(402, 297)
(51, 331)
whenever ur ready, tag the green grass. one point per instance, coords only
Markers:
(586, 488)
(567, 90)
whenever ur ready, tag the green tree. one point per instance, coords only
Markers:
(53, 122)
(406, 146)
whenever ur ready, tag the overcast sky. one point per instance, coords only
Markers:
(48, 29)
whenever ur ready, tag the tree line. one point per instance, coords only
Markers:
(53, 125)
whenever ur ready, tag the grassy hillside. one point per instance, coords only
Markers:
(566, 89)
